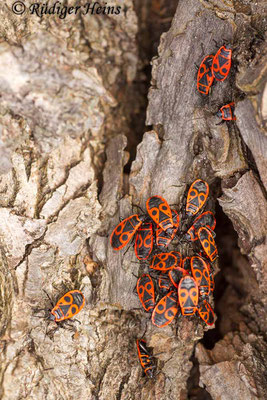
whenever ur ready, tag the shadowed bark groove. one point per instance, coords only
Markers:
(71, 94)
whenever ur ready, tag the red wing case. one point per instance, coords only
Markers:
(201, 275)
(163, 262)
(165, 310)
(68, 305)
(222, 63)
(176, 275)
(159, 210)
(228, 112)
(208, 243)
(204, 76)
(162, 238)
(206, 313)
(145, 358)
(123, 232)
(196, 197)
(188, 295)
(205, 219)
(144, 241)
(146, 292)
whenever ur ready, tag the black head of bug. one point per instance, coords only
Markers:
(51, 317)
(150, 373)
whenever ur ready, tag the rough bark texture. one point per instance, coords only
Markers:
(71, 94)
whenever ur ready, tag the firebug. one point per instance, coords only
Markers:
(200, 273)
(145, 358)
(196, 197)
(204, 76)
(164, 262)
(205, 219)
(176, 275)
(146, 292)
(222, 63)
(227, 112)
(206, 313)
(144, 241)
(124, 231)
(159, 210)
(208, 243)
(162, 238)
(188, 295)
(165, 310)
(67, 306)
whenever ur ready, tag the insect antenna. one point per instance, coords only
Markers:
(39, 309)
(49, 298)
(140, 208)
(126, 250)
(216, 43)
(75, 320)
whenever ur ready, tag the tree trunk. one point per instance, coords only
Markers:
(74, 160)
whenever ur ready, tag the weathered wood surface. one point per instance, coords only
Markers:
(64, 121)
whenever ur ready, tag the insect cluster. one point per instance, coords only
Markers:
(216, 68)
(173, 284)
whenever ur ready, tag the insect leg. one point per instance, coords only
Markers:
(52, 305)
(220, 123)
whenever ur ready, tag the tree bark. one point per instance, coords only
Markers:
(70, 91)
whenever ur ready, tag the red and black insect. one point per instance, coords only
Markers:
(162, 238)
(144, 241)
(206, 313)
(200, 273)
(196, 197)
(204, 76)
(227, 113)
(176, 275)
(146, 360)
(165, 310)
(159, 210)
(146, 292)
(67, 306)
(222, 63)
(123, 232)
(163, 262)
(205, 219)
(208, 243)
(188, 295)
